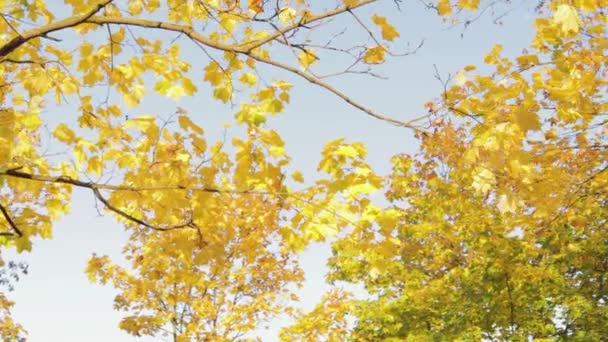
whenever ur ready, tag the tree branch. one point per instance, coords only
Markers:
(306, 19)
(44, 30)
(10, 221)
(96, 187)
(153, 24)
(244, 47)
(91, 185)
(349, 100)
(247, 47)
(241, 48)
(129, 217)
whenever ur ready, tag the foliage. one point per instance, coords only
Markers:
(500, 219)
(37, 71)
(494, 230)
(224, 272)
(9, 329)
(327, 321)
(214, 229)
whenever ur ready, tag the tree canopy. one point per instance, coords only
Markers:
(494, 230)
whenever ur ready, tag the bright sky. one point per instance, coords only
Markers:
(56, 302)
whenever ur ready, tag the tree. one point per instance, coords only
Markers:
(235, 41)
(210, 226)
(494, 230)
(502, 235)
(223, 276)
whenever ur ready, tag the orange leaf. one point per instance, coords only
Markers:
(256, 6)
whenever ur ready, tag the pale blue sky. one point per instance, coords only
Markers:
(56, 302)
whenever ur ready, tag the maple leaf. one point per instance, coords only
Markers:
(444, 8)
(470, 5)
(374, 55)
(307, 58)
(388, 31)
(256, 6)
(567, 18)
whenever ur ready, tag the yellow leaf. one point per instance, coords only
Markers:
(175, 92)
(249, 79)
(223, 94)
(142, 123)
(273, 106)
(282, 85)
(483, 181)
(31, 121)
(214, 74)
(133, 97)
(228, 21)
(346, 151)
(186, 124)
(135, 7)
(527, 61)
(284, 96)
(183, 157)
(365, 189)
(95, 166)
(320, 232)
(297, 176)
(567, 18)
(64, 134)
(23, 244)
(276, 151)
(444, 8)
(506, 204)
(374, 55)
(470, 5)
(307, 58)
(80, 156)
(551, 134)
(388, 31)
(287, 15)
(461, 78)
(527, 120)
(188, 86)
(6, 151)
(589, 5)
